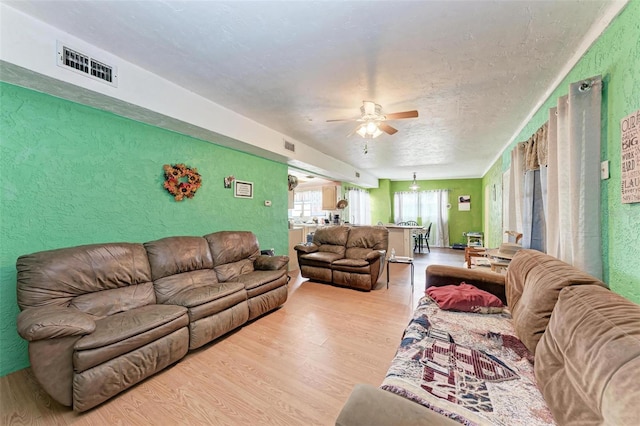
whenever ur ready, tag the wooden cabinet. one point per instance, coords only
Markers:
(329, 197)
(296, 236)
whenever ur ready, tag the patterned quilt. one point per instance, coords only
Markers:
(469, 367)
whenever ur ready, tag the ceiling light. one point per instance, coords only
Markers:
(414, 185)
(369, 130)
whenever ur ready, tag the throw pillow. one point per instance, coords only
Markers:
(465, 298)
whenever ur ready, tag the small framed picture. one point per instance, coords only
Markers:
(243, 189)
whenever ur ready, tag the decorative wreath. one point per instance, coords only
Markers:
(181, 181)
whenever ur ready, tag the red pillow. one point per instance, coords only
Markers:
(465, 298)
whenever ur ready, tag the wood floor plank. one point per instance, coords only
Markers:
(296, 365)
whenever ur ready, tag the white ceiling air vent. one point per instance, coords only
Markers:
(289, 146)
(73, 59)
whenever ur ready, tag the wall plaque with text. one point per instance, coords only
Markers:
(630, 166)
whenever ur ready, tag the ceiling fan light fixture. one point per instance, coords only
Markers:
(414, 185)
(369, 130)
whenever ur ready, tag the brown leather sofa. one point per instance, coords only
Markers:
(344, 255)
(585, 338)
(101, 318)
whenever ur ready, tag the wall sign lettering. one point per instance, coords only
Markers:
(630, 164)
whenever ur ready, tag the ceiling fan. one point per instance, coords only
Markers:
(373, 121)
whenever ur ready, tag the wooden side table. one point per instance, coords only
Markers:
(399, 259)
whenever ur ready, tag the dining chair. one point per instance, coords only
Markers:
(426, 237)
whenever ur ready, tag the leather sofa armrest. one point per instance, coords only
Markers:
(371, 406)
(441, 275)
(374, 254)
(306, 248)
(50, 322)
(270, 263)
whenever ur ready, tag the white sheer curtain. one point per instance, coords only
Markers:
(567, 222)
(573, 179)
(426, 207)
(514, 216)
(405, 206)
(359, 206)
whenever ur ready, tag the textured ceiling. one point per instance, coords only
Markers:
(473, 69)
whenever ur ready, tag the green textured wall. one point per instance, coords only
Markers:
(381, 202)
(493, 180)
(459, 221)
(615, 56)
(75, 175)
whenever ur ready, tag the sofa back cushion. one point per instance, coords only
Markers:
(233, 253)
(179, 264)
(364, 239)
(588, 361)
(99, 279)
(331, 239)
(176, 255)
(533, 282)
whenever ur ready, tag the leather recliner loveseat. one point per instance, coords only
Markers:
(100, 318)
(349, 256)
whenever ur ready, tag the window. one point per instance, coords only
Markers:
(425, 207)
(359, 206)
(307, 204)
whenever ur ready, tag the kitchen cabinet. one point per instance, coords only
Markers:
(329, 197)
(296, 236)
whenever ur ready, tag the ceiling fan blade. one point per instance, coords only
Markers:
(399, 115)
(386, 128)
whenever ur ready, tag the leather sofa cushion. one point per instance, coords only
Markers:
(331, 239)
(351, 262)
(55, 277)
(257, 278)
(362, 253)
(232, 246)
(321, 257)
(191, 297)
(124, 325)
(175, 255)
(368, 237)
(258, 282)
(108, 302)
(588, 360)
(230, 271)
(168, 287)
(216, 306)
(533, 282)
(122, 333)
(113, 339)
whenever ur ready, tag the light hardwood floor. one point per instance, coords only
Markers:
(294, 366)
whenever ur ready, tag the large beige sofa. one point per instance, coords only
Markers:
(345, 255)
(585, 339)
(101, 318)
